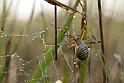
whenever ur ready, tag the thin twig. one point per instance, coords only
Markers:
(55, 2)
(101, 37)
(55, 32)
(101, 26)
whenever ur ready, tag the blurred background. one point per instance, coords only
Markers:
(28, 35)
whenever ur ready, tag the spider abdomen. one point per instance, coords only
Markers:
(82, 52)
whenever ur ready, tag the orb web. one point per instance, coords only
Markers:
(23, 64)
(31, 53)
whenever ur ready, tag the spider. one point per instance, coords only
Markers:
(80, 48)
(57, 3)
(81, 51)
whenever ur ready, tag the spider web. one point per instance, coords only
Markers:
(30, 54)
(24, 62)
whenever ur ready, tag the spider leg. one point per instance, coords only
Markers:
(67, 34)
(92, 40)
(72, 46)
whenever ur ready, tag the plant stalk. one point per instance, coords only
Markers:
(101, 37)
(55, 32)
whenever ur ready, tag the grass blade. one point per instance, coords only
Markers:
(15, 48)
(6, 66)
(49, 54)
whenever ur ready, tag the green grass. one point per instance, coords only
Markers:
(49, 55)
(45, 64)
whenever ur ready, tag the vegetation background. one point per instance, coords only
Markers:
(24, 42)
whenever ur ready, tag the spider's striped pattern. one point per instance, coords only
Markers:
(82, 52)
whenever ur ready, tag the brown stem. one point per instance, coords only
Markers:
(56, 32)
(101, 37)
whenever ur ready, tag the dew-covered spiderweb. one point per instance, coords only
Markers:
(30, 50)
(31, 53)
